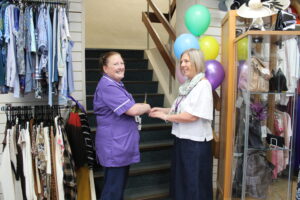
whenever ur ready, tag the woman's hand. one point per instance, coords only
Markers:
(158, 114)
(164, 110)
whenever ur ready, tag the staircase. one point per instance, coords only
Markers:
(148, 179)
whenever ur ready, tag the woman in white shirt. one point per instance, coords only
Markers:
(191, 115)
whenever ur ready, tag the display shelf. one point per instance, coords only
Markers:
(272, 93)
(275, 148)
(257, 164)
(232, 108)
(274, 35)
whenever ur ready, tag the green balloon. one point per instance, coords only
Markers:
(197, 19)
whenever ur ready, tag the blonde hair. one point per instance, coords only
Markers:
(196, 59)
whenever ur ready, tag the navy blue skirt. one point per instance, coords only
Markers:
(191, 171)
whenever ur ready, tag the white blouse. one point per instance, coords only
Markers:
(199, 102)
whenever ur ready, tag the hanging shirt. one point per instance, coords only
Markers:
(21, 43)
(54, 44)
(24, 142)
(2, 48)
(50, 53)
(30, 46)
(67, 82)
(292, 59)
(6, 176)
(42, 39)
(59, 39)
(12, 77)
(59, 162)
(117, 137)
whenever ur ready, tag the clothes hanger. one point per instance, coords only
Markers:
(77, 103)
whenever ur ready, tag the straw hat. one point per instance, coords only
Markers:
(262, 8)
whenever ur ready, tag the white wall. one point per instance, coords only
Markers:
(76, 18)
(118, 23)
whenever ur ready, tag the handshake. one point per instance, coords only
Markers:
(156, 112)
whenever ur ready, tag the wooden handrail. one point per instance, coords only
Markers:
(154, 19)
(172, 8)
(162, 49)
(163, 20)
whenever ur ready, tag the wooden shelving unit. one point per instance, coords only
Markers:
(228, 97)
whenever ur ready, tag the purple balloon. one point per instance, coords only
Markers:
(242, 75)
(214, 72)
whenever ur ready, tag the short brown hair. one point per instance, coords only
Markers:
(104, 58)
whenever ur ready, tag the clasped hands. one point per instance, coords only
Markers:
(158, 112)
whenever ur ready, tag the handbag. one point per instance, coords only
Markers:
(259, 76)
(254, 136)
(278, 82)
(275, 140)
(285, 21)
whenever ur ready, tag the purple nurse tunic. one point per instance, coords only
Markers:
(117, 136)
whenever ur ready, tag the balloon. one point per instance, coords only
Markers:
(181, 79)
(209, 46)
(242, 49)
(242, 68)
(184, 42)
(197, 19)
(242, 74)
(214, 72)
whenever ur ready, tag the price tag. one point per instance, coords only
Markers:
(263, 131)
(239, 102)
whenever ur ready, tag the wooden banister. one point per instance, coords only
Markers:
(162, 49)
(154, 19)
(172, 8)
(163, 20)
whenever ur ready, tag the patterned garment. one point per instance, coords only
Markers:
(42, 159)
(88, 141)
(54, 193)
(70, 185)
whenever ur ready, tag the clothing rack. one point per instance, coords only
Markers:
(42, 113)
(62, 2)
(9, 107)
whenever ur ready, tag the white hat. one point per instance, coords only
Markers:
(262, 8)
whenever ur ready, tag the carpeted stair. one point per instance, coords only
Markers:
(148, 179)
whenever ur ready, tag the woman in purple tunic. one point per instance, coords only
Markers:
(117, 136)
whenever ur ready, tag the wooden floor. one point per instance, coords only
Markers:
(278, 190)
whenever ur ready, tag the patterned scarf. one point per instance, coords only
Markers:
(184, 90)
